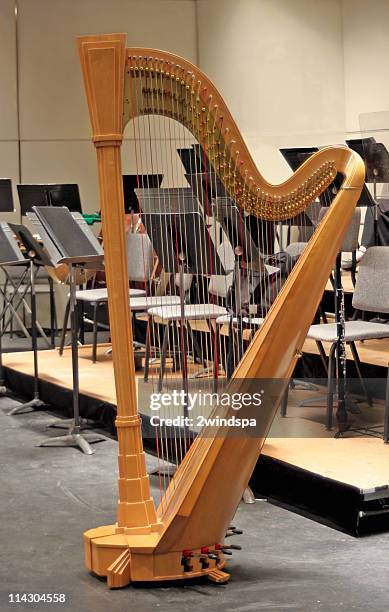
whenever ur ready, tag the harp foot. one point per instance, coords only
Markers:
(123, 559)
(218, 576)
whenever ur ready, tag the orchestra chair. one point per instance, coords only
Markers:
(219, 287)
(140, 261)
(43, 286)
(295, 249)
(371, 294)
(236, 326)
(140, 256)
(350, 245)
(95, 298)
(350, 242)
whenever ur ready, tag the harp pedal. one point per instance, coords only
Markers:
(218, 576)
(118, 574)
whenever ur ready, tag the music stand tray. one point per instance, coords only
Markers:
(6, 197)
(49, 194)
(68, 239)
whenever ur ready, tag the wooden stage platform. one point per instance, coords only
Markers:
(344, 482)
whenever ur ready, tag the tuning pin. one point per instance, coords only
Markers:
(213, 556)
(232, 547)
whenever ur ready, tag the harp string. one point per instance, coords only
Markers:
(167, 130)
(157, 139)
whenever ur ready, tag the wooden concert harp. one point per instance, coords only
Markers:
(184, 536)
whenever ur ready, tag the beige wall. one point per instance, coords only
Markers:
(366, 53)
(279, 65)
(9, 156)
(55, 145)
(293, 72)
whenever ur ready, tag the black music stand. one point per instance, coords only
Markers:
(377, 171)
(194, 159)
(49, 194)
(68, 240)
(132, 184)
(6, 197)
(176, 238)
(37, 258)
(10, 255)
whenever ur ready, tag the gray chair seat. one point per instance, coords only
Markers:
(355, 330)
(101, 295)
(192, 312)
(141, 304)
(225, 320)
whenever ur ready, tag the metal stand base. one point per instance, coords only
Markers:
(303, 385)
(69, 423)
(159, 466)
(248, 496)
(321, 402)
(34, 404)
(74, 437)
(167, 470)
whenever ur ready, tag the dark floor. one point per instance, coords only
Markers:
(49, 496)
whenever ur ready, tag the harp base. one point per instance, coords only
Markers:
(123, 559)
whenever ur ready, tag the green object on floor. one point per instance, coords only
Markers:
(92, 218)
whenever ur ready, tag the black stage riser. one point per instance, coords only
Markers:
(333, 503)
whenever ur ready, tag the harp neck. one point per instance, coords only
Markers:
(160, 83)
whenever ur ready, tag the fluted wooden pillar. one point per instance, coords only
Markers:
(103, 66)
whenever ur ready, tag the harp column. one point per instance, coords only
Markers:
(103, 66)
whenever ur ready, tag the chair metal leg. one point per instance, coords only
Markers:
(53, 326)
(353, 267)
(148, 349)
(11, 323)
(64, 327)
(284, 402)
(359, 372)
(95, 331)
(323, 355)
(81, 321)
(163, 357)
(3, 305)
(386, 417)
(322, 313)
(196, 347)
(230, 364)
(215, 357)
(330, 388)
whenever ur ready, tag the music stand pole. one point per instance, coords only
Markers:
(75, 436)
(375, 221)
(386, 416)
(3, 388)
(36, 402)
